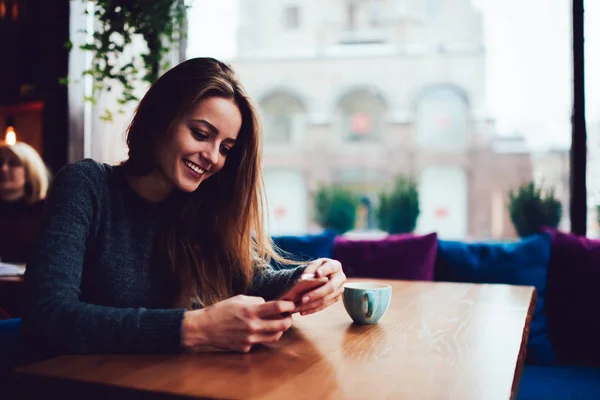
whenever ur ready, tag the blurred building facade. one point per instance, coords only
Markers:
(357, 92)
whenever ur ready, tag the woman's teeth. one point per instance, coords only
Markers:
(194, 167)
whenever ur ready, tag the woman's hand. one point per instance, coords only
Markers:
(324, 296)
(237, 323)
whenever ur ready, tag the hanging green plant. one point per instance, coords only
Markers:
(159, 22)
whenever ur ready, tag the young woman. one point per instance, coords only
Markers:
(167, 251)
(23, 187)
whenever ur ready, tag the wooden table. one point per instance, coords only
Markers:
(437, 341)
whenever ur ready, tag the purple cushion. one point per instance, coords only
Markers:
(403, 256)
(573, 299)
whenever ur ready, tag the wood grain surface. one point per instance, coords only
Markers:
(437, 341)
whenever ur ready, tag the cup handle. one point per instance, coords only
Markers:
(369, 299)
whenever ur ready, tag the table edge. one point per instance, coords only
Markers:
(520, 366)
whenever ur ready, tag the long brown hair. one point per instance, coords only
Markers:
(213, 237)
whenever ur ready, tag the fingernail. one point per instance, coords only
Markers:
(319, 272)
(305, 299)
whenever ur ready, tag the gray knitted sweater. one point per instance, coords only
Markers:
(92, 285)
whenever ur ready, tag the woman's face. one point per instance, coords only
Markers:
(12, 176)
(197, 146)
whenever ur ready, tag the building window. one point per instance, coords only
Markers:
(366, 184)
(443, 201)
(291, 17)
(288, 202)
(363, 14)
(362, 115)
(442, 118)
(433, 8)
(284, 118)
(375, 10)
(351, 16)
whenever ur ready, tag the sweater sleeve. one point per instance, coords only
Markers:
(55, 321)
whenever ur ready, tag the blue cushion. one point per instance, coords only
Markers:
(559, 383)
(10, 330)
(524, 262)
(306, 247)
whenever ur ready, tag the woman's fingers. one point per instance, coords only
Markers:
(274, 308)
(312, 267)
(328, 268)
(259, 338)
(336, 282)
(322, 303)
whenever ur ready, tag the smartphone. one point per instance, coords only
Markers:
(304, 284)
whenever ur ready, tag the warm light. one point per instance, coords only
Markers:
(15, 10)
(11, 136)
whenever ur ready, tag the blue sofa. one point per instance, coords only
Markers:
(305, 247)
(523, 262)
(9, 347)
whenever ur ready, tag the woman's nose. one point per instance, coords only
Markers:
(212, 154)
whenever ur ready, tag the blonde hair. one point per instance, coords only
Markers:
(37, 175)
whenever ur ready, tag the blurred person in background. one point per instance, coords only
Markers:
(23, 185)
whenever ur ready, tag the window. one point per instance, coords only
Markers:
(286, 193)
(366, 184)
(363, 14)
(442, 118)
(433, 8)
(362, 115)
(469, 124)
(443, 201)
(284, 118)
(351, 9)
(375, 11)
(291, 17)
(592, 107)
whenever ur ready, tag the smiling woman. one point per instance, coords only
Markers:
(167, 251)
(194, 149)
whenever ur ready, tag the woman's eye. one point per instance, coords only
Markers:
(225, 150)
(199, 135)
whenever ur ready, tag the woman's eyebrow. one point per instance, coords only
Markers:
(210, 126)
